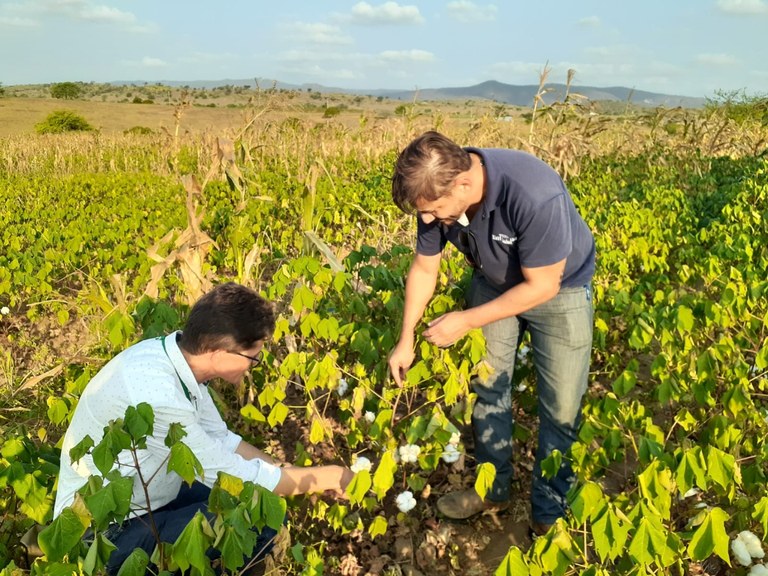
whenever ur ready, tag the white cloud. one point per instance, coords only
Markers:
(387, 13)
(319, 73)
(317, 33)
(465, 11)
(106, 14)
(612, 52)
(716, 59)
(18, 22)
(590, 22)
(149, 62)
(743, 6)
(408, 56)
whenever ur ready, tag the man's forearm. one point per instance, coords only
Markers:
(514, 301)
(250, 452)
(419, 287)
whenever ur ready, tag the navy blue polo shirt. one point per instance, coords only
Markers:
(527, 219)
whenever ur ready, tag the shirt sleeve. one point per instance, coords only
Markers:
(213, 453)
(211, 421)
(429, 238)
(545, 238)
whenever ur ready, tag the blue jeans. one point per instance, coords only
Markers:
(561, 343)
(171, 520)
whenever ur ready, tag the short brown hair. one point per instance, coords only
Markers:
(426, 170)
(228, 316)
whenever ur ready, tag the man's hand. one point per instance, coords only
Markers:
(447, 329)
(401, 359)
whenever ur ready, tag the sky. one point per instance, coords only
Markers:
(695, 48)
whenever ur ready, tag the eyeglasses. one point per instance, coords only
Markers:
(254, 359)
(469, 242)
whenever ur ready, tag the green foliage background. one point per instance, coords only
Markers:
(671, 457)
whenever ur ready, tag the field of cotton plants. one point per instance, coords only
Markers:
(107, 238)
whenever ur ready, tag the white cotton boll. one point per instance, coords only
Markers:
(740, 552)
(342, 387)
(521, 387)
(360, 464)
(455, 438)
(405, 501)
(369, 417)
(523, 352)
(758, 570)
(5, 310)
(753, 544)
(692, 492)
(409, 453)
(450, 454)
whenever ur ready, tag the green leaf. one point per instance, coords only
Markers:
(110, 503)
(359, 486)
(317, 431)
(272, 508)
(184, 462)
(760, 513)
(61, 535)
(761, 359)
(710, 536)
(250, 412)
(98, 554)
(609, 533)
(278, 414)
(691, 470)
(721, 467)
(384, 477)
(486, 474)
(550, 466)
(656, 486)
(587, 499)
(139, 420)
(135, 564)
(378, 527)
(649, 542)
(236, 540)
(175, 433)
(115, 440)
(514, 564)
(192, 544)
(684, 320)
(81, 448)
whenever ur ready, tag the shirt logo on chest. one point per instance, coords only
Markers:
(504, 239)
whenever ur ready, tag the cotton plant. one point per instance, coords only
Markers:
(361, 464)
(450, 454)
(342, 387)
(405, 501)
(409, 453)
(369, 417)
(746, 547)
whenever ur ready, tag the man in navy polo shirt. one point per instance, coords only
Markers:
(533, 257)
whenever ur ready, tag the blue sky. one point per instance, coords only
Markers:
(682, 47)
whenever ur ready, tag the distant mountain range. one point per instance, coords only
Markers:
(490, 90)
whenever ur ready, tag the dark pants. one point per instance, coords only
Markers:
(171, 520)
(561, 342)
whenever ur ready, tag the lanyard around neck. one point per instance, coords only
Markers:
(184, 386)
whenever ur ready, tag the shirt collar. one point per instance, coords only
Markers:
(493, 197)
(179, 362)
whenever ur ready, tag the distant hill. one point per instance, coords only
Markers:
(491, 90)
